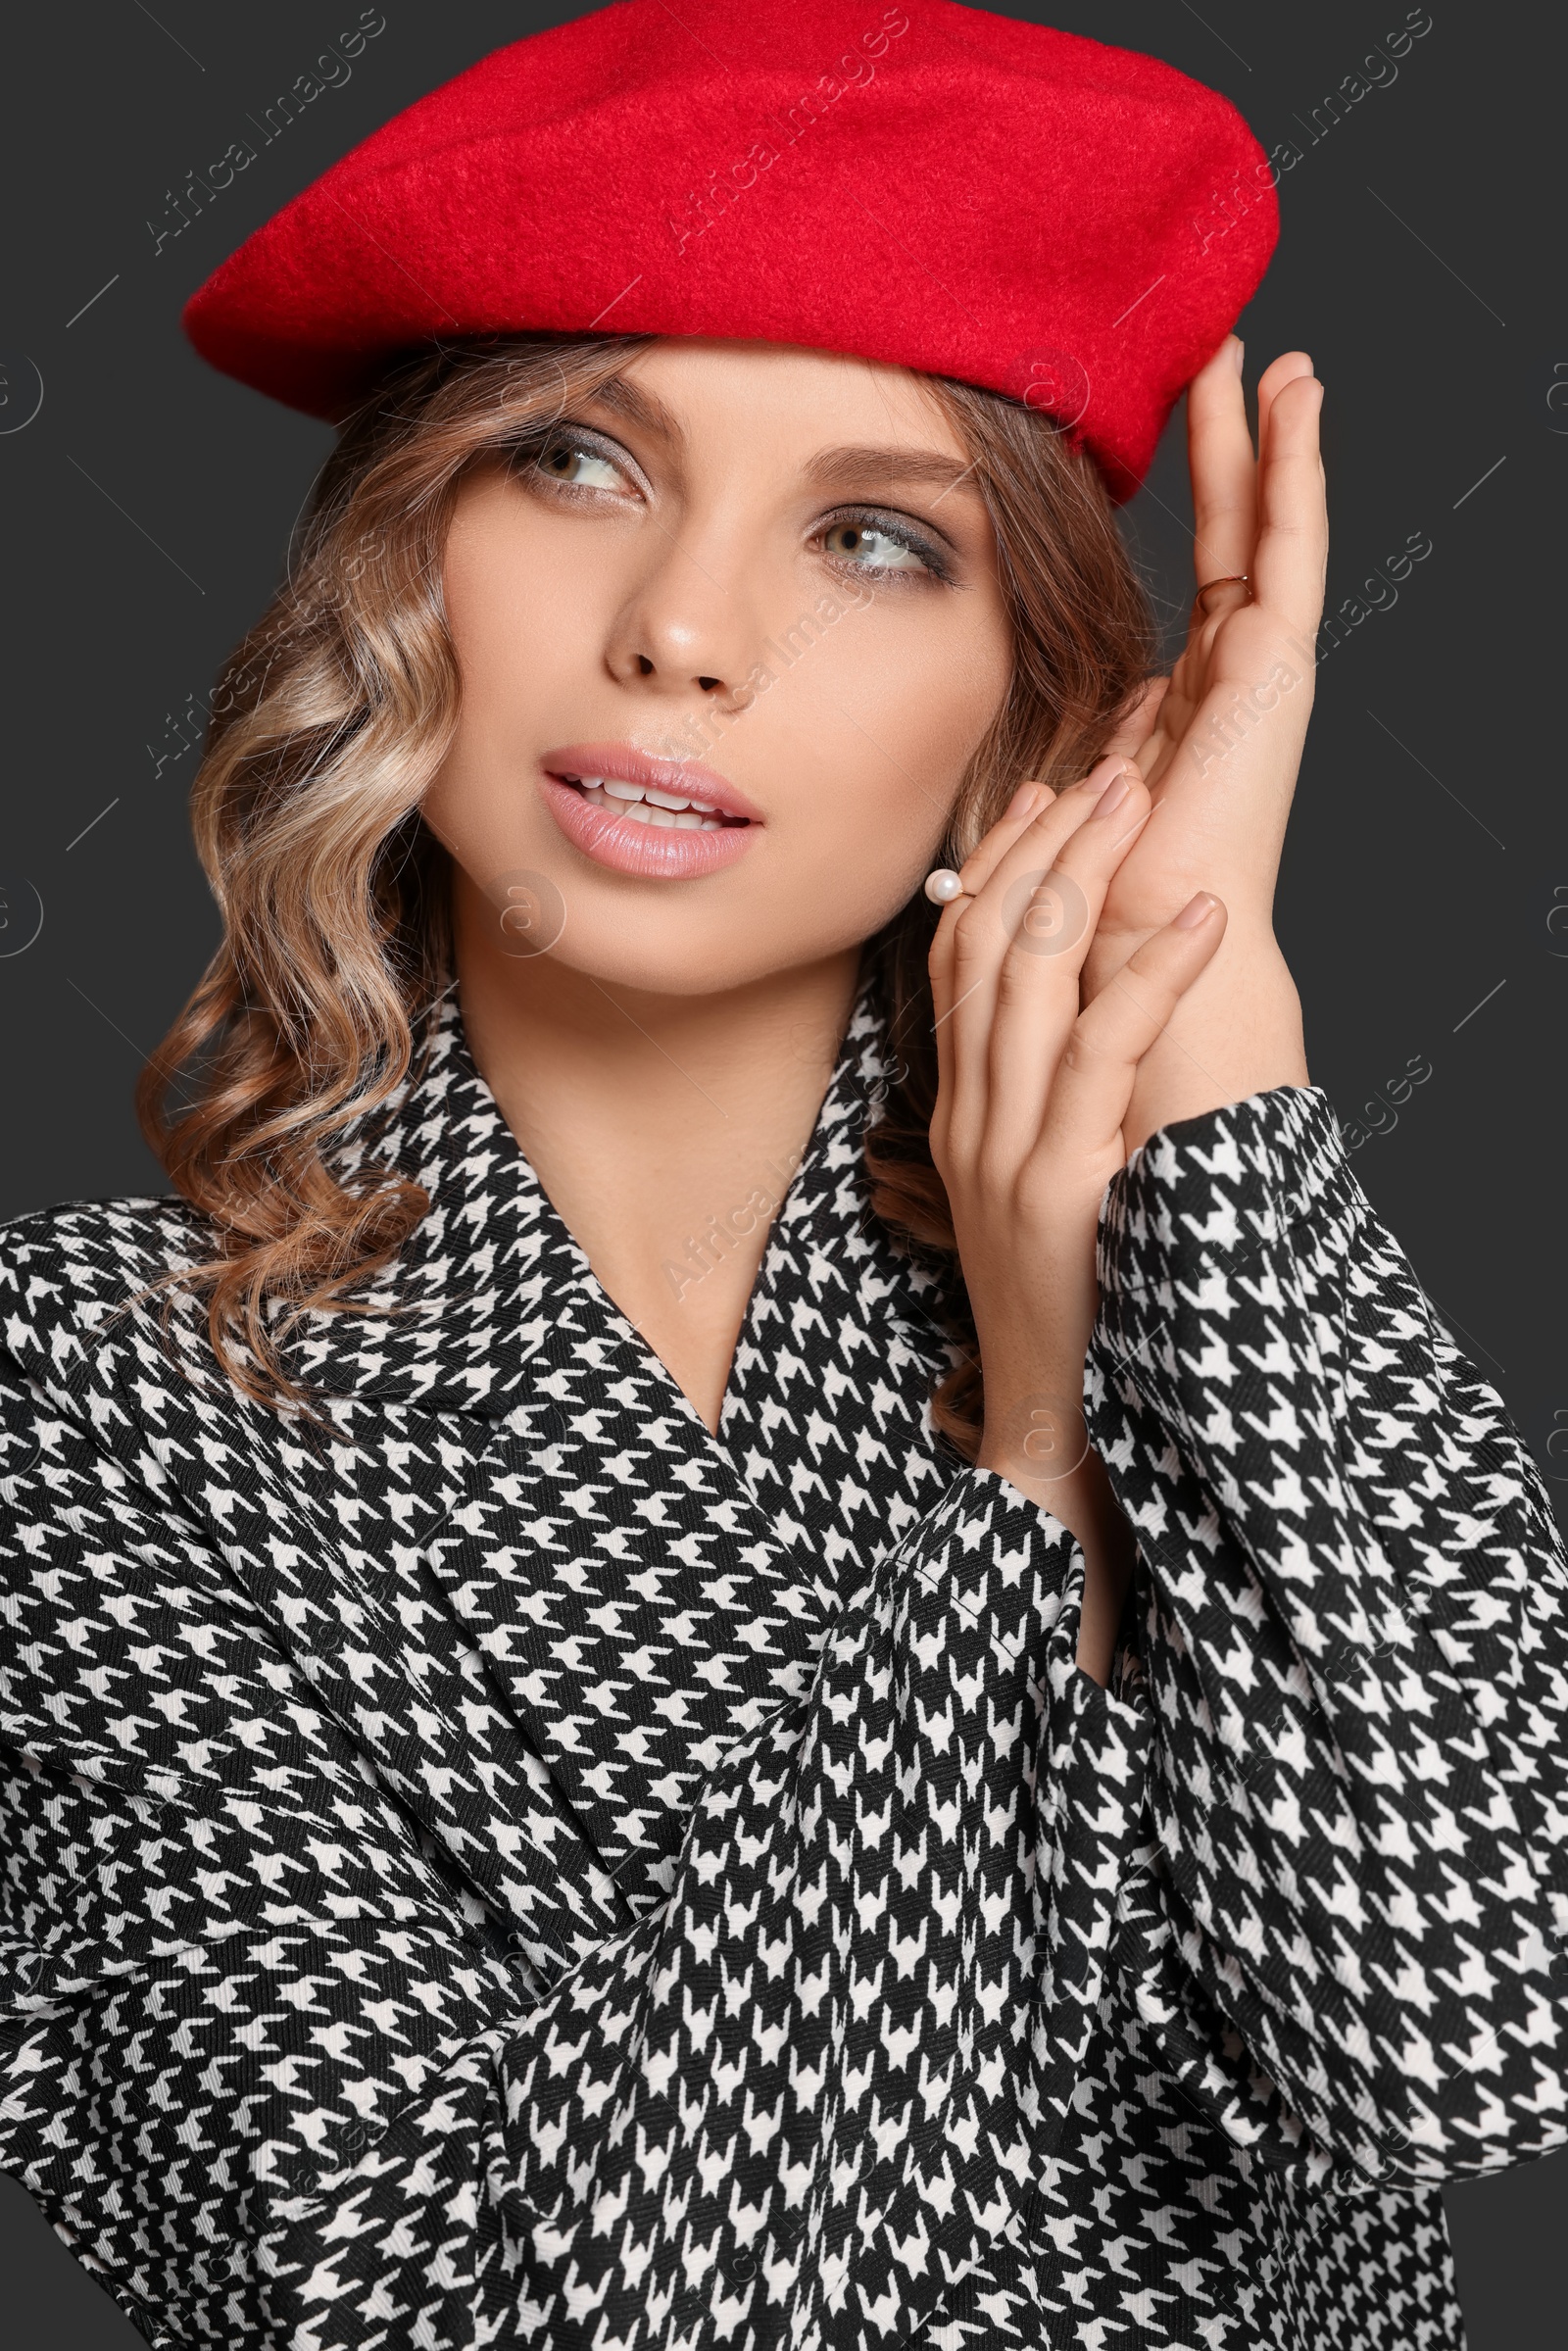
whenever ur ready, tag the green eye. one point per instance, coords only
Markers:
(583, 467)
(871, 549)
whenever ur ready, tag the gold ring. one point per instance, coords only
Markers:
(1232, 579)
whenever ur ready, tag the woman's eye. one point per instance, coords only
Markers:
(580, 467)
(871, 547)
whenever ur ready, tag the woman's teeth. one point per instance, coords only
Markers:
(645, 806)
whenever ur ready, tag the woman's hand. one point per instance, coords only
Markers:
(1219, 745)
(1029, 1128)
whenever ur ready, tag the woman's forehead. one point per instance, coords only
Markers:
(817, 399)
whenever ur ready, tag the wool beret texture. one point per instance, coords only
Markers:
(930, 185)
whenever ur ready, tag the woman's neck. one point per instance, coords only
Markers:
(665, 1129)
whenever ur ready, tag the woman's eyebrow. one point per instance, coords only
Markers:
(846, 468)
(828, 470)
(629, 400)
(849, 469)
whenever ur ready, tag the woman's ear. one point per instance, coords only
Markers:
(1140, 722)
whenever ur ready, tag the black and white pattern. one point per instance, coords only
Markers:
(523, 1871)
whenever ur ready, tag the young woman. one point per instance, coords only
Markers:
(768, 1617)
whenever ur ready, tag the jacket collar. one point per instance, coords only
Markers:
(476, 1291)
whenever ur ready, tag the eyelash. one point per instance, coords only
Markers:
(527, 459)
(902, 533)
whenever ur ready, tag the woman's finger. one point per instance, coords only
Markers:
(1044, 913)
(1140, 725)
(1219, 454)
(1290, 365)
(1094, 1081)
(988, 877)
(1291, 553)
(968, 948)
(1028, 802)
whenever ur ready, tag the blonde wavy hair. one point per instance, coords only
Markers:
(330, 719)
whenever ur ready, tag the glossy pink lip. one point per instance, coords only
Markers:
(629, 765)
(628, 845)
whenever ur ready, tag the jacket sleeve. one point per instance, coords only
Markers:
(1353, 1630)
(273, 2087)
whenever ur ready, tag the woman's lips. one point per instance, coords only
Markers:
(677, 818)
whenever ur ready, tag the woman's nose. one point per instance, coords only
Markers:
(682, 631)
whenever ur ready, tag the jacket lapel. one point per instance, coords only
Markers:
(540, 1594)
(650, 1591)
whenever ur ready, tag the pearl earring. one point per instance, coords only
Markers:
(942, 886)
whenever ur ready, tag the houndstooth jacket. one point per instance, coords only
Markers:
(521, 1870)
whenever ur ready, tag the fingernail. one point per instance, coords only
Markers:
(1100, 779)
(1024, 797)
(1196, 910)
(1237, 354)
(1115, 793)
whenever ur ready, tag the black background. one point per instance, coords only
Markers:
(149, 502)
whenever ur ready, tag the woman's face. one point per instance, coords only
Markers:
(753, 578)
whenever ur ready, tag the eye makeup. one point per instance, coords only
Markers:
(605, 467)
(866, 529)
(569, 461)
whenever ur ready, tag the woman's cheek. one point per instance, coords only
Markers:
(525, 603)
(859, 817)
(893, 712)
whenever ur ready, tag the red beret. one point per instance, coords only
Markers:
(927, 184)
